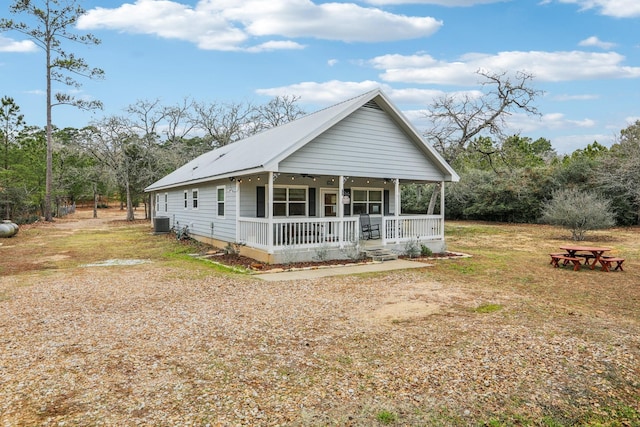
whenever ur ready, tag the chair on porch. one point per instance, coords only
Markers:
(369, 231)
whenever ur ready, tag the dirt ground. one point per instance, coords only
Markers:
(101, 325)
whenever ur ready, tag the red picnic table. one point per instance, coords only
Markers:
(593, 252)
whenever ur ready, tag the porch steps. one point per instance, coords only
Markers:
(379, 254)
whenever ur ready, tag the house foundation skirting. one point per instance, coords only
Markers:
(282, 241)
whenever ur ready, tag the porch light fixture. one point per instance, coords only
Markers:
(232, 178)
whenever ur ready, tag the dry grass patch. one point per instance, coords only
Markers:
(176, 342)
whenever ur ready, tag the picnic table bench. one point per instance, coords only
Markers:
(607, 263)
(556, 258)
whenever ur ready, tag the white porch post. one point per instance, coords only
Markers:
(398, 208)
(269, 208)
(442, 209)
(237, 210)
(341, 211)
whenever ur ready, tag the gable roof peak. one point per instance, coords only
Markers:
(264, 151)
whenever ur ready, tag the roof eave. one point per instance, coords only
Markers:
(210, 178)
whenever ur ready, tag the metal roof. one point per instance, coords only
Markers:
(262, 152)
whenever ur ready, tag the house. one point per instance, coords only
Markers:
(298, 189)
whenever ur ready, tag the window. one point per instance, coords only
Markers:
(366, 201)
(289, 201)
(157, 203)
(166, 202)
(221, 191)
(194, 199)
(186, 199)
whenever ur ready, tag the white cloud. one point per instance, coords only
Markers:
(559, 121)
(167, 19)
(334, 91)
(581, 97)
(596, 42)
(567, 144)
(632, 120)
(322, 93)
(332, 62)
(557, 124)
(10, 45)
(450, 3)
(276, 45)
(614, 8)
(520, 122)
(544, 66)
(231, 24)
(348, 21)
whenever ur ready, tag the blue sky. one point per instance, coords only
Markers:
(584, 54)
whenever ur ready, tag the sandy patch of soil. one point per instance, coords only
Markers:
(419, 300)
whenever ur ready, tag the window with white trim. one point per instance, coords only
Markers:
(194, 198)
(186, 199)
(157, 202)
(166, 202)
(221, 197)
(366, 201)
(290, 201)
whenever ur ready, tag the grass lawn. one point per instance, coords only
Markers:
(104, 323)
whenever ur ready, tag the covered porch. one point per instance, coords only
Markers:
(307, 216)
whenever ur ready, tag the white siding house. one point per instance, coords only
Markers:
(301, 187)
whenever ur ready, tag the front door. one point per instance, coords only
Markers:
(329, 198)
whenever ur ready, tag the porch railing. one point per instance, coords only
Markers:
(414, 227)
(313, 232)
(299, 232)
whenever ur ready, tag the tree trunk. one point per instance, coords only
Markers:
(49, 173)
(130, 215)
(434, 199)
(95, 201)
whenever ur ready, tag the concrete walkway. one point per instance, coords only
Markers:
(398, 264)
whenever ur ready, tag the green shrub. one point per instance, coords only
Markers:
(411, 248)
(425, 251)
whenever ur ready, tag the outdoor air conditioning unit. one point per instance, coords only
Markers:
(161, 225)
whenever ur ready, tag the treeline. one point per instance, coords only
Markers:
(118, 156)
(517, 180)
(513, 180)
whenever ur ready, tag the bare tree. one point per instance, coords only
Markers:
(145, 117)
(180, 121)
(455, 123)
(112, 143)
(52, 20)
(223, 124)
(278, 111)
